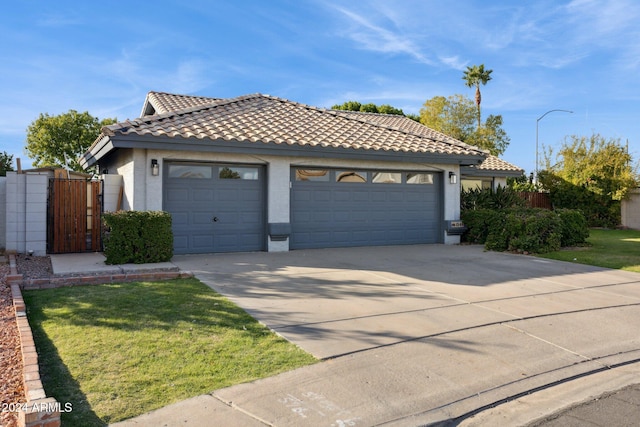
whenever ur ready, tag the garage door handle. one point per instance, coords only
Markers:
(214, 219)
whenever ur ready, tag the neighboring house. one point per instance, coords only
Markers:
(260, 173)
(491, 173)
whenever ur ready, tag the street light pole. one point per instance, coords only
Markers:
(537, 122)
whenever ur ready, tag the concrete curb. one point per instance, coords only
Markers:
(536, 407)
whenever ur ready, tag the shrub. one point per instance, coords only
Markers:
(137, 237)
(478, 223)
(488, 198)
(574, 227)
(518, 229)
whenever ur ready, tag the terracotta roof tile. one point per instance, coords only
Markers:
(497, 164)
(270, 120)
(491, 163)
(166, 102)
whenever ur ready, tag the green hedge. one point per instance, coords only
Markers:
(137, 237)
(525, 230)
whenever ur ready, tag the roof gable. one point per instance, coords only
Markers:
(267, 121)
(162, 102)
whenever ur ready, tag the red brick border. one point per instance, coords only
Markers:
(43, 411)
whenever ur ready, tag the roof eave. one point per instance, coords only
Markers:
(473, 171)
(99, 149)
(108, 143)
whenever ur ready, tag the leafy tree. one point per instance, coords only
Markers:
(455, 116)
(60, 140)
(602, 166)
(6, 163)
(490, 136)
(474, 76)
(368, 108)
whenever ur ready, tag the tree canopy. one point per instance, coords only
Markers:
(368, 108)
(6, 163)
(60, 140)
(456, 115)
(602, 166)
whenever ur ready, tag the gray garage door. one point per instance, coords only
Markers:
(337, 208)
(215, 208)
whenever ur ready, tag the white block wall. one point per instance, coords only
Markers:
(26, 213)
(3, 212)
(630, 210)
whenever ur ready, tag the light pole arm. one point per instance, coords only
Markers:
(537, 122)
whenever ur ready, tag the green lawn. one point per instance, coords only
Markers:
(117, 351)
(618, 249)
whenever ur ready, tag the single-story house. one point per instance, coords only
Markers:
(258, 172)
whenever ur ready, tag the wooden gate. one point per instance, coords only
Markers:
(73, 218)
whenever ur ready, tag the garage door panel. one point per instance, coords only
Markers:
(214, 214)
(336, 214)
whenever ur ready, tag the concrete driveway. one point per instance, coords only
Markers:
(420, 334)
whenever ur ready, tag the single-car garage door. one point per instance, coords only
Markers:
(215, 208)
(337, 208)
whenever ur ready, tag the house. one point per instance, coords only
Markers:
(258, 172)
(491, 173)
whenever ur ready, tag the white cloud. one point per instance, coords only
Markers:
(379, 39)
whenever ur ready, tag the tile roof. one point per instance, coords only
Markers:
(162, 102)
(491, 163)
(266, 119)
(497, 164)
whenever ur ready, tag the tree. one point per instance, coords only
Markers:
(6, 163)
(368, 108)
(490, 136)
(455, 116)
(60, 140)
(474, 76)
(602, 166)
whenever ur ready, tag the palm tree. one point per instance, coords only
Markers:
(473, 76)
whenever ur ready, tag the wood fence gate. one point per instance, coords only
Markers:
(74, 208)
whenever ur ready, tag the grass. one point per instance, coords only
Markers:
(116, 351)
(619, 249)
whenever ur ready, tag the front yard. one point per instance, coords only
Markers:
(120, 350)
(619, 249)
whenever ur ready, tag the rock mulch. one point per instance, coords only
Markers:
(11, 385)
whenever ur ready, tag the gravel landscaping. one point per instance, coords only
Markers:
(11, 386)
(11, 389)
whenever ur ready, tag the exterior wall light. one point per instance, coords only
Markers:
(155, 169)
(453, 178)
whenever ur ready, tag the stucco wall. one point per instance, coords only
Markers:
(111, 191)
(145, 192)
(630, 210)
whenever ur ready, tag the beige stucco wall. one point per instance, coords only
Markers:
(630, 210)
(145, 191)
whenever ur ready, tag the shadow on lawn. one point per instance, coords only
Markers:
(142, 305)
(56, 378)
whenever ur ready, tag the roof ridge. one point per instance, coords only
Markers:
(445, 138)
(360, 117)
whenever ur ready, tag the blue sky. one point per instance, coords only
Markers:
(103, 57)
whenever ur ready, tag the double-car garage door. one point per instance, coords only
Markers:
(222, 207)
(338, 208)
